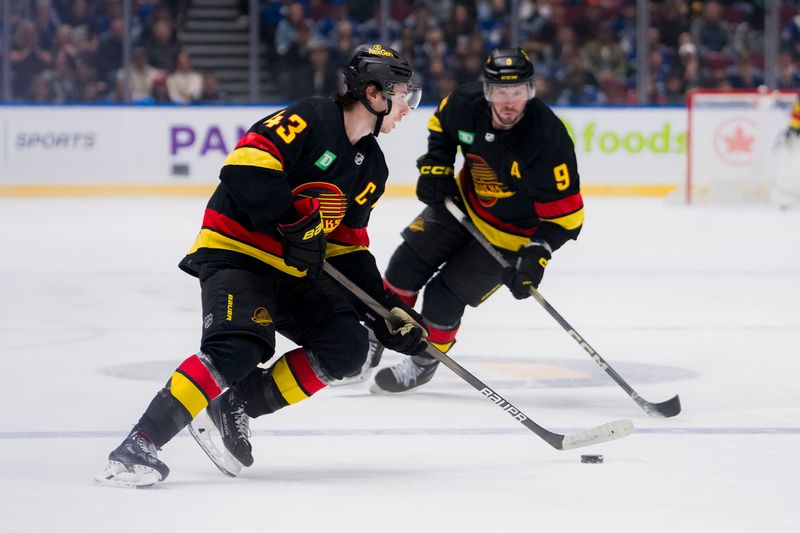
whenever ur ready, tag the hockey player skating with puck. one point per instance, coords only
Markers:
(298, 187)
(519, 186)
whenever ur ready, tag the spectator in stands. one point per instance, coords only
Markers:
(539, 27)
(711, 34)
(674, 90)
(158, 93)
(790, 37)
(493, 22)
(743, 74)
(339, 12)
(323, 74)
(470, 68)
(420, 22)
(603, 56)
(624, 25)
(544, 90)
(64, 42)
(64, 82)
(141, 76)
(41, 89)
(80, 22)
(443, 10)
(109, 51)
(673, 22)
(370, 30)
(434, 48)
(459, 26)
(161, 47)
(184, 84)
(90, 88)
(27, 59)
(46, 23)
(689, 61)
(579, 86)
(292, 31)
(788, 72)
(212, 93)
(344, 42)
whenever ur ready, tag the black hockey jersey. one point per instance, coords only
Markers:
(300, 151)
(516, 184)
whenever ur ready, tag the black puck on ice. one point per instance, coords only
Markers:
(591, 458)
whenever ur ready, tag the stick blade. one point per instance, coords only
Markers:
(665, 409)
(610, 431)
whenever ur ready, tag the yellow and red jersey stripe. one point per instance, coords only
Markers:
(257, 151)
(345, 239)
(499, 233)
(223, 233)
(566, 212)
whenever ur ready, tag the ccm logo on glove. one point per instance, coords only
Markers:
(437, 170)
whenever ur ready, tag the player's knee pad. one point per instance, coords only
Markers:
(408, 271)
(235, 356)
(343, 352)
(441, 306)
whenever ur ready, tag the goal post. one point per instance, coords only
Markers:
(735, 144)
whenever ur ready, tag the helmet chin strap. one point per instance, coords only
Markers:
(378, 114)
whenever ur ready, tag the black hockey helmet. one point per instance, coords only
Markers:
(508, 66)
(383, 66)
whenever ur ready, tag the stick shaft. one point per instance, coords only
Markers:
(670, 407)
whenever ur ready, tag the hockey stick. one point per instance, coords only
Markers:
(664, 409)
(606, 432)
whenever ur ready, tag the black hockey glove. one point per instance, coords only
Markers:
(407, 338)
(435, 183)
(528, 269)
(303, 240)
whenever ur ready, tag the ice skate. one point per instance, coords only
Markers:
(405, 376)
(133, 464)
(374, 354)
(223, 431)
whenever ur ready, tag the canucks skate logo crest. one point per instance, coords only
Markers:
(417, 225)
(332, 202)
(489, 137)
(261, 317)
(487, 185)
(359, 158)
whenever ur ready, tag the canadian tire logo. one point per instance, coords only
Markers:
(735, 140)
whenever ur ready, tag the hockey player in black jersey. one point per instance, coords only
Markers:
(519, 186)
(297, 189)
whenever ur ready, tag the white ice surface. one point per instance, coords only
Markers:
(697, 301)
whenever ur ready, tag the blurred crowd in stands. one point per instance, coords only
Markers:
(584, 51)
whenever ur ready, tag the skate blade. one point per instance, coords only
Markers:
(116, 474)
(378, 391)
(206, 435)
(354, 380)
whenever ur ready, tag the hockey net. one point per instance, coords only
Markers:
(736, 147)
